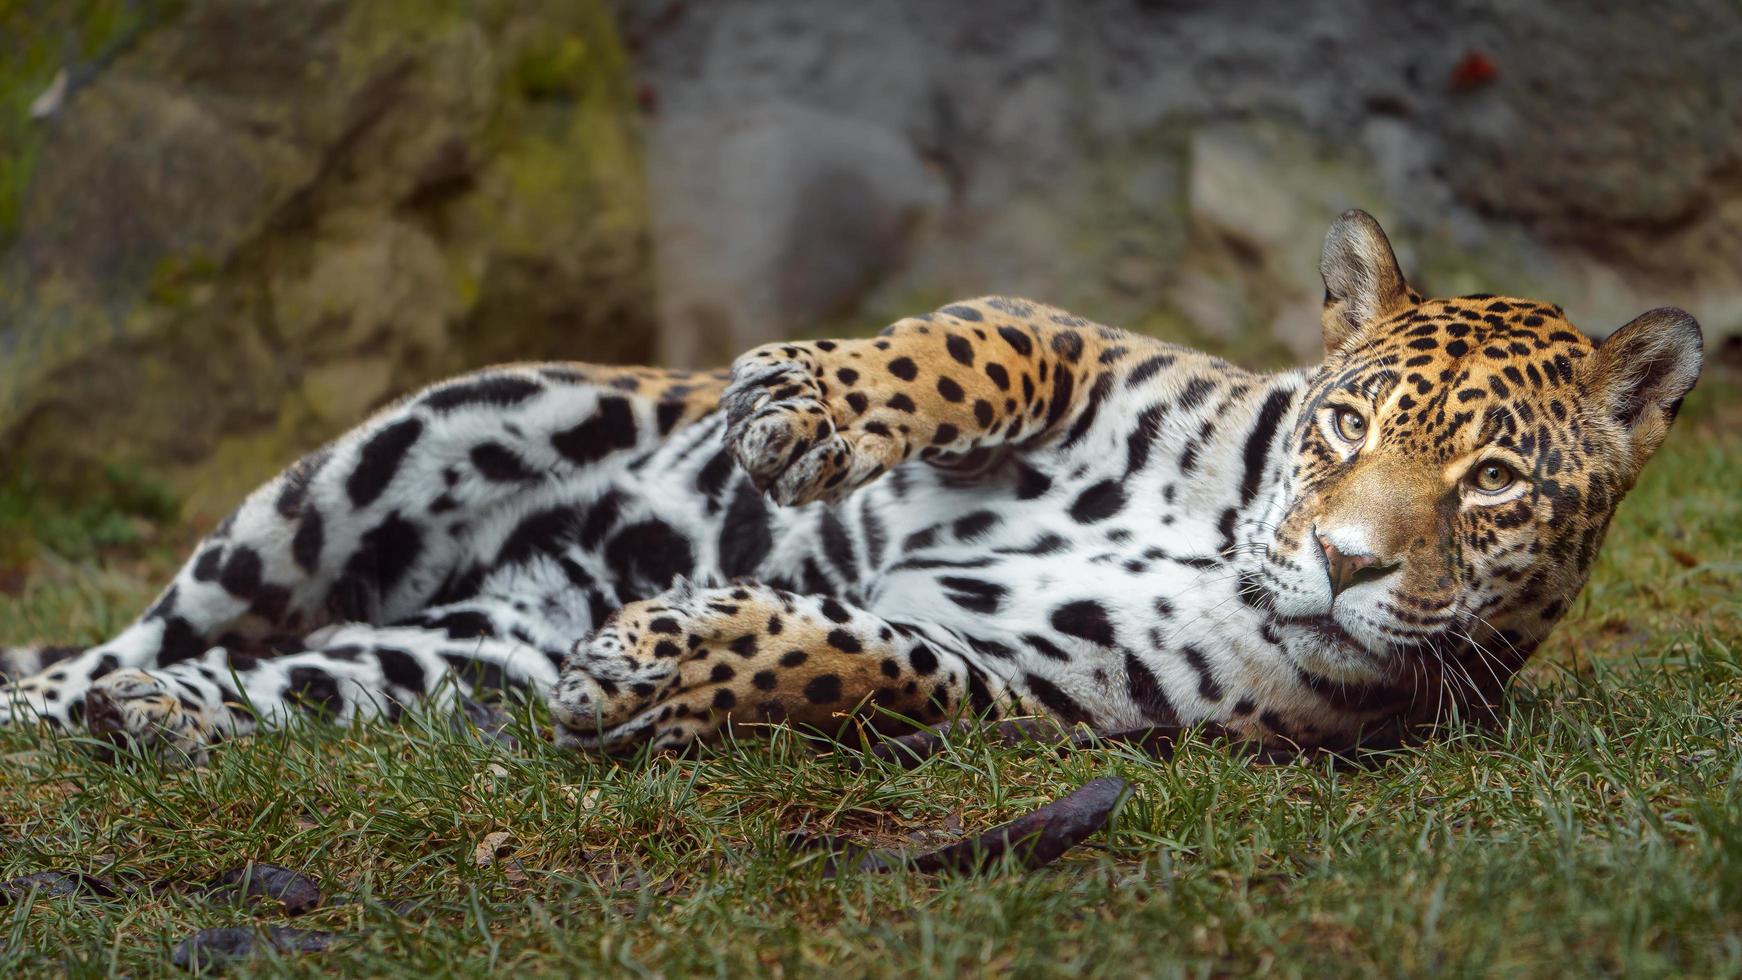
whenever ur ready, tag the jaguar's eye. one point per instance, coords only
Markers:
(1492, 477)
(1351, 426)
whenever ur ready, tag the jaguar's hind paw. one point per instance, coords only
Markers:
(132, 706)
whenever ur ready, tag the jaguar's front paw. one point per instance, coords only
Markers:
(133, 707)
(797, 444)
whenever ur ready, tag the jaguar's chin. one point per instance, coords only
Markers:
(1325, 648)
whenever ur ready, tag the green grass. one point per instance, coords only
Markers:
(120, 512)
(1597, 830)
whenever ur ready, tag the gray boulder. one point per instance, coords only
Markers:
(1172, 165)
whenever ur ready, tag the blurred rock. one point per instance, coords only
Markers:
(258, 220)
(1172, 164)
(774, 220)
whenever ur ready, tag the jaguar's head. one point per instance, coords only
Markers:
(1453, 469)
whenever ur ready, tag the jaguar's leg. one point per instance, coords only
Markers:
(347, 673)
(373, 527)
(20, 662)
(815, 421)
(687, 664)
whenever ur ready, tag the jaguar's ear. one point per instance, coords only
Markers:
(1363, 284)
(1641, 373)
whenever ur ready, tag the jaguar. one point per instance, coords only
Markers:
(997, 509)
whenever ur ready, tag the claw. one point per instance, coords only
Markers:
(786, 438)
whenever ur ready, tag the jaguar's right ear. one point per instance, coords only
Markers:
(1363, 284)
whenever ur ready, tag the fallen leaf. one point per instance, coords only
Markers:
(585, 801)
(488, 721)
(298, 892)
(495, 846)
(485, 781)
(497, 849)
(54, 884)
(1035, 839)
(209, 947)
(839, 852)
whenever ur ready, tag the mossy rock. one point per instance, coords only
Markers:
(252, 222)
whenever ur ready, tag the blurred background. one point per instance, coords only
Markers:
(231, 228)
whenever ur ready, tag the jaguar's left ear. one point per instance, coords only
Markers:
(1363, 283)
(1640, 374)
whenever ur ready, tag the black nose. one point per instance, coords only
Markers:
(1346, 570)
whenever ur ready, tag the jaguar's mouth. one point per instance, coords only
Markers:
(1326, 629)
(1327, 647)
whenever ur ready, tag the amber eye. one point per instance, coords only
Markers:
(1492, 477)
(1350, 425)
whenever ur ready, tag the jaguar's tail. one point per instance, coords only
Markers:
(17, 662)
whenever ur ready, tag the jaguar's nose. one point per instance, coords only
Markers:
(1349, 568)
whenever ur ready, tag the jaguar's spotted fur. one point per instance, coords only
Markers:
(997, 507)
